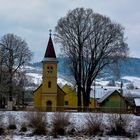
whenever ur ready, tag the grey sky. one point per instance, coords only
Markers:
(31, 19)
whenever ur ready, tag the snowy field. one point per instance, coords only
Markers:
(64, 138)
(77, 118)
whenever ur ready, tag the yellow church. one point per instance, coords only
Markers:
(49, 96)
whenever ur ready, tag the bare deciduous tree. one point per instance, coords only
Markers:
(90, 42)
(14, 54)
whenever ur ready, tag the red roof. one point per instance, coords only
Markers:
(50, 52)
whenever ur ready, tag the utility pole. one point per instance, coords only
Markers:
(121, 91)
(94, 95)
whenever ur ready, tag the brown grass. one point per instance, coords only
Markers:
(38, 121)
(119, 124)
(60, 121)
(94, 124)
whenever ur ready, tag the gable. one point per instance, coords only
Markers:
(109, 95)
(68, 90)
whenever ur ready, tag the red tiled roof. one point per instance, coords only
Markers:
(50, 52)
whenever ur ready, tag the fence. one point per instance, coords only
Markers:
(76, 109)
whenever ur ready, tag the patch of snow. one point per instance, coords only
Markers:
(35, 77)
(102, 82)
(133, 79)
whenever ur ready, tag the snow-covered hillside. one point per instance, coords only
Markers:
(35, 76)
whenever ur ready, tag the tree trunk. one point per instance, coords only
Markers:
(79, 78)
(79, 98)
(10, 84)
(86, 96)
(10, 90)
(79, 88)
(85, 101)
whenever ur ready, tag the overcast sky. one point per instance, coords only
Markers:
(32, 19)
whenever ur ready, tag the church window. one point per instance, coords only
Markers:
(50, 69)
(66, 103)
(49, 84)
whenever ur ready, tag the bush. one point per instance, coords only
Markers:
(136, 127)
(60, 121)
(11, 122)
(1, 125)
(119, 125)
(1, 130)
(130, 86)
(94, 124)
(38, 121)
(23, 128)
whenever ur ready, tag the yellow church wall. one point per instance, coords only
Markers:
(38, 97)
(91, 105)
(49, 77)
(71, 98)
(46, 98)
(60, 97)
(45, 69)
(46, 89)
(66, 94)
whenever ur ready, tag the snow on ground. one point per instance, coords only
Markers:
(133, 79)
(102, 82)
(76, 118)
(65, 138)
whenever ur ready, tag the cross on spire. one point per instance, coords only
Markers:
(50, 31)
(50, 52)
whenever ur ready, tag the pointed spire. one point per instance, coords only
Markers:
(50, 52)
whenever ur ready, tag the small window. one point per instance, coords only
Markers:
(51, 69)
(66, 103)
(49, 84)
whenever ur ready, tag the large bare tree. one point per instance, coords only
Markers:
(90, 42)
(14, 54)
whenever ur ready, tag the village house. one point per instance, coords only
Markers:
(114, 101)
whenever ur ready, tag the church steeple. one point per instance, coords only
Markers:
(49, 78)
(50, 52)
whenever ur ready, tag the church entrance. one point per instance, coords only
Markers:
(49, 106)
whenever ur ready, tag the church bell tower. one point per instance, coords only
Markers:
(49, 77)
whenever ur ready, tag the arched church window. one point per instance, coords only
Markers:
(49, 84)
